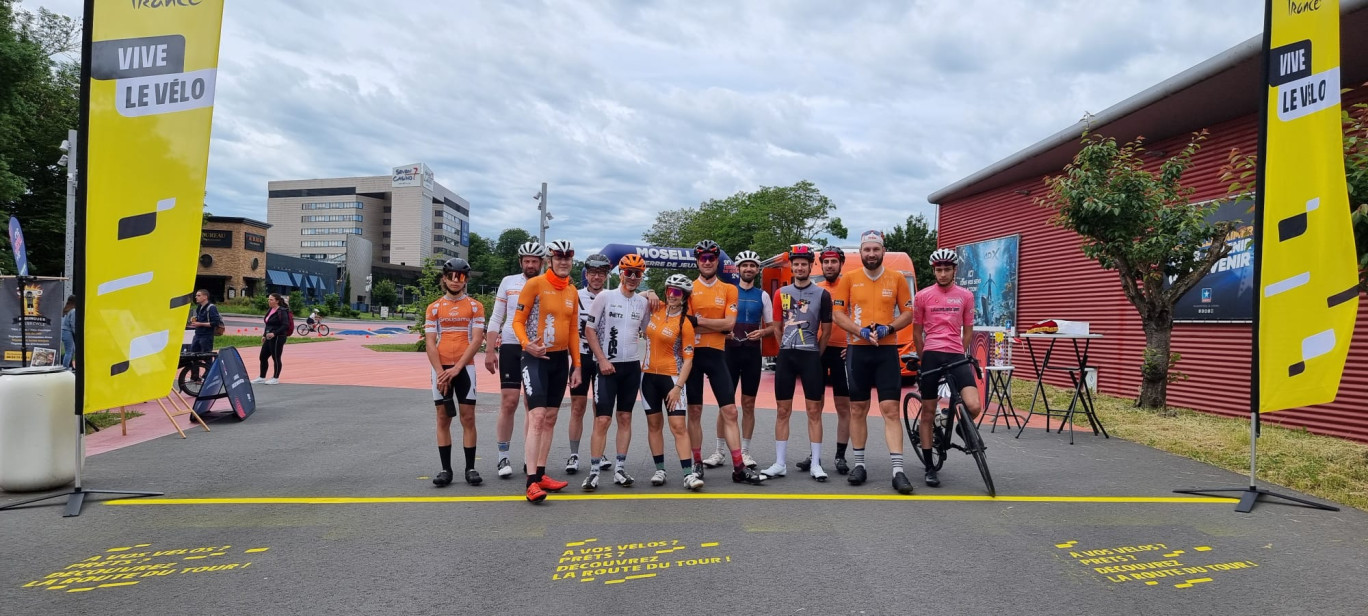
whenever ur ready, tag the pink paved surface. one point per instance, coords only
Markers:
(346, 361)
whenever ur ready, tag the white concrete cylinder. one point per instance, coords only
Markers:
(37, 428)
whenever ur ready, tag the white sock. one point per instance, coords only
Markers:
(722, 446)
(780, 451)
(816, 453)
(745, 445)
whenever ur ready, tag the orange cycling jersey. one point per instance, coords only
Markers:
(713, 301)
(455, 322)
(838, 335)
(667, 345)
(549, 315)
(871, 302)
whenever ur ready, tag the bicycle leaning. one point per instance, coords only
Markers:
(194, 363)
(971, 442)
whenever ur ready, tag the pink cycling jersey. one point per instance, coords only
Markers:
(942, 314)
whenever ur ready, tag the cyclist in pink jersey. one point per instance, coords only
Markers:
(943, 324)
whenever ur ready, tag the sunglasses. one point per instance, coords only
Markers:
(567, 254)
(707, 258)
(456, 276)
(631, 273)
(673, 292)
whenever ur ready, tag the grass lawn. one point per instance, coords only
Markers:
(408, 347)
(251, 341)
(1324, 466)
(107, 419)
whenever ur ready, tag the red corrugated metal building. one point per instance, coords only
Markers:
(1057, 281)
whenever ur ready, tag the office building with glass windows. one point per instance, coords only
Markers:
(386, 223)
(406, 216)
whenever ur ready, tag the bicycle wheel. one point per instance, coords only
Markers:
(302, 329)
(910, 418)
(188, 386)
(973, 445)
(323, 330)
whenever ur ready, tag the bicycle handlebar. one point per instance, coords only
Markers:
(968, 359)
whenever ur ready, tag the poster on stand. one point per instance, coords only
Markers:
(34, 316)
(989, 269)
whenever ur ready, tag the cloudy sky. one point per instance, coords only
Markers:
(630, 108)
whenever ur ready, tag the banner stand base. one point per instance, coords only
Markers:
(76, 499)
(1249, 496)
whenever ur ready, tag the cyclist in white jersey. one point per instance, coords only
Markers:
(507, 362)
(596, 268)
(616, 321)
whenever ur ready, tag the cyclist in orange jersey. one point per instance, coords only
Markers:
(453, 322)
(546, 323)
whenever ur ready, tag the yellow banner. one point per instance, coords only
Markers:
(152, 74)
(1309, 298)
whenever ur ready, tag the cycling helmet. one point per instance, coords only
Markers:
(832, 251)
(560, 248)
(707, 247)
(456, 264)
(679, 281)
(598, 261)
(531, 249)
(747, 255)
(801, 251)
(944, 256)
(632, 261)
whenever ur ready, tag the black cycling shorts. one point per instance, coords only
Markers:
(544, 379)
(461, 389)
(617, 391)
(873, 366)
(930, 360)
(588, 370)
(743, 363)
(834, 372)
(510, 366)
(654, 388)
(792, 365)
(711, 363)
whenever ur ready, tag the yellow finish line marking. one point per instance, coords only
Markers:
(373, 500)
(708, 545)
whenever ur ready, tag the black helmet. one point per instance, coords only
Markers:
(598, 261)
(456, 264)
(706, 247)
(833, 251)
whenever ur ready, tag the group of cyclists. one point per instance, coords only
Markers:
(545, 336)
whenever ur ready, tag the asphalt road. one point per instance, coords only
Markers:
(1085, 529)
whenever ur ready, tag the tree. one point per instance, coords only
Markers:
(384, 293)
(482, 259)
(506, 252)
(1141, 224)
(767, 221)
(38, 104)
(918, 240)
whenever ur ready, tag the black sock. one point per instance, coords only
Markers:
(444, 453)
(541, 472)
(840, 450)
(470, 458)
(926, 458)
(686, 464)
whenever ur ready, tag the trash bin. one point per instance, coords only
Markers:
(37, 419)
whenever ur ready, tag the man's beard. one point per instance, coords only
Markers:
(878, 262)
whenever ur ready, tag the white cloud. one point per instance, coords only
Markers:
(629, 108)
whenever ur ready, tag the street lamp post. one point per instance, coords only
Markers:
(546, 217)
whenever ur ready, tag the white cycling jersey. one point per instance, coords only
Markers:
(502, 319)
(619, 320)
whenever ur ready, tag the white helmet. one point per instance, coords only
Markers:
(531, 249)
(747, 255)
(679, 281)
(944, 256)
(560, 248)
